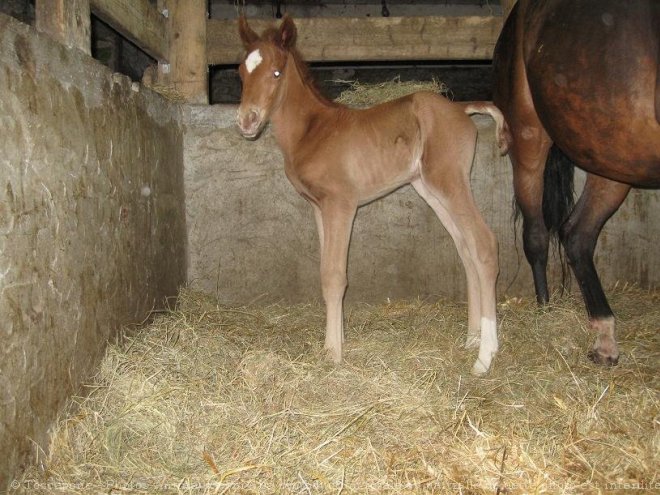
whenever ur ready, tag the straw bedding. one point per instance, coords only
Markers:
(213, 399)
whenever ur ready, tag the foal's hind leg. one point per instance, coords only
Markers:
(337, 221)
(473, 289)
(599, 200)
(318, 217)
(477, 247)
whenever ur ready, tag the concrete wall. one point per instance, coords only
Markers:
(252, 237)
(92, 230)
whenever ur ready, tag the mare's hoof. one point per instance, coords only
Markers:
(597, 357)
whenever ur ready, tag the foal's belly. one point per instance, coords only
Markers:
(357, 169)
(377, 176)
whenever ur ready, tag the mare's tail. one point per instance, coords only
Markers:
(558, 201)
(502, 129)
(558, 195)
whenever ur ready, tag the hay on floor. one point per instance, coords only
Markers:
(213, 399)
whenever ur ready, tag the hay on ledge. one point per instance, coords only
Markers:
(214, 399)
(361, 95)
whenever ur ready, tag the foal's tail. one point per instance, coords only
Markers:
(502, 129)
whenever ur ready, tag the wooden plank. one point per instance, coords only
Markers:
(138, 21)
(371, 38)
(67, 21)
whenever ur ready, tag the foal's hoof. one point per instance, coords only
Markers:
(479, 368)
(333, 355)
(599, 357)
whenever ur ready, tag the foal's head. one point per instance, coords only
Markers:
(263, 73)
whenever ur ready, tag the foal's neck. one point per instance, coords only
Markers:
(300, 106)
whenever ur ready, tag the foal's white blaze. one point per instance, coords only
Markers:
(487, 347)
(253, 60)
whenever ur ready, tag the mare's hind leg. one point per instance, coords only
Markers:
(477, 247)
(529, 147)
(337, 221)
(599, 200)
(528, 156)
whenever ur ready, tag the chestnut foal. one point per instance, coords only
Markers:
(340, 158)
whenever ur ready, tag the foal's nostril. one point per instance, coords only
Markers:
(249, 120)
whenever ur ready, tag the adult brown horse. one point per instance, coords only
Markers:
(584, 76)
(340, 158)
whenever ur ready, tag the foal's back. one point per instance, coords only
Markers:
(370, 152)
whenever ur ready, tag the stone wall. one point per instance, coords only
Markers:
(92, 232)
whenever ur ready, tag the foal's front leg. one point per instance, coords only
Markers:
(337, 221)
(318, 216)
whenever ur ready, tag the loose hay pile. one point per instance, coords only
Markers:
(210, 399)
(361, 95)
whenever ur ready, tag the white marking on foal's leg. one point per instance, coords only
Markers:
(474, 308)
(487, 347)
(253, 60)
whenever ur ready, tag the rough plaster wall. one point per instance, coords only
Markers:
(92, 230)
(252, 237)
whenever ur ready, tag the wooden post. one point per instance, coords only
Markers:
(67, 21)
(507, 5)
(186, 69)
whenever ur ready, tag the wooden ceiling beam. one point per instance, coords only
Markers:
(138, 21)
(337, 39)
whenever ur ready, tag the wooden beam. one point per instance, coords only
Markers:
(370, 38)
(67, 21)
(138, 21)
(187, 73)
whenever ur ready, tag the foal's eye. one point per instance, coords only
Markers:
(277, 74)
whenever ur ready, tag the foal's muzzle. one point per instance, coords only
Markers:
(250, 122)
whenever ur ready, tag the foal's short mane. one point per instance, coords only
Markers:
(271, 35)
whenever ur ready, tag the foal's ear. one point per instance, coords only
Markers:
(248, 36)
(288, 32)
